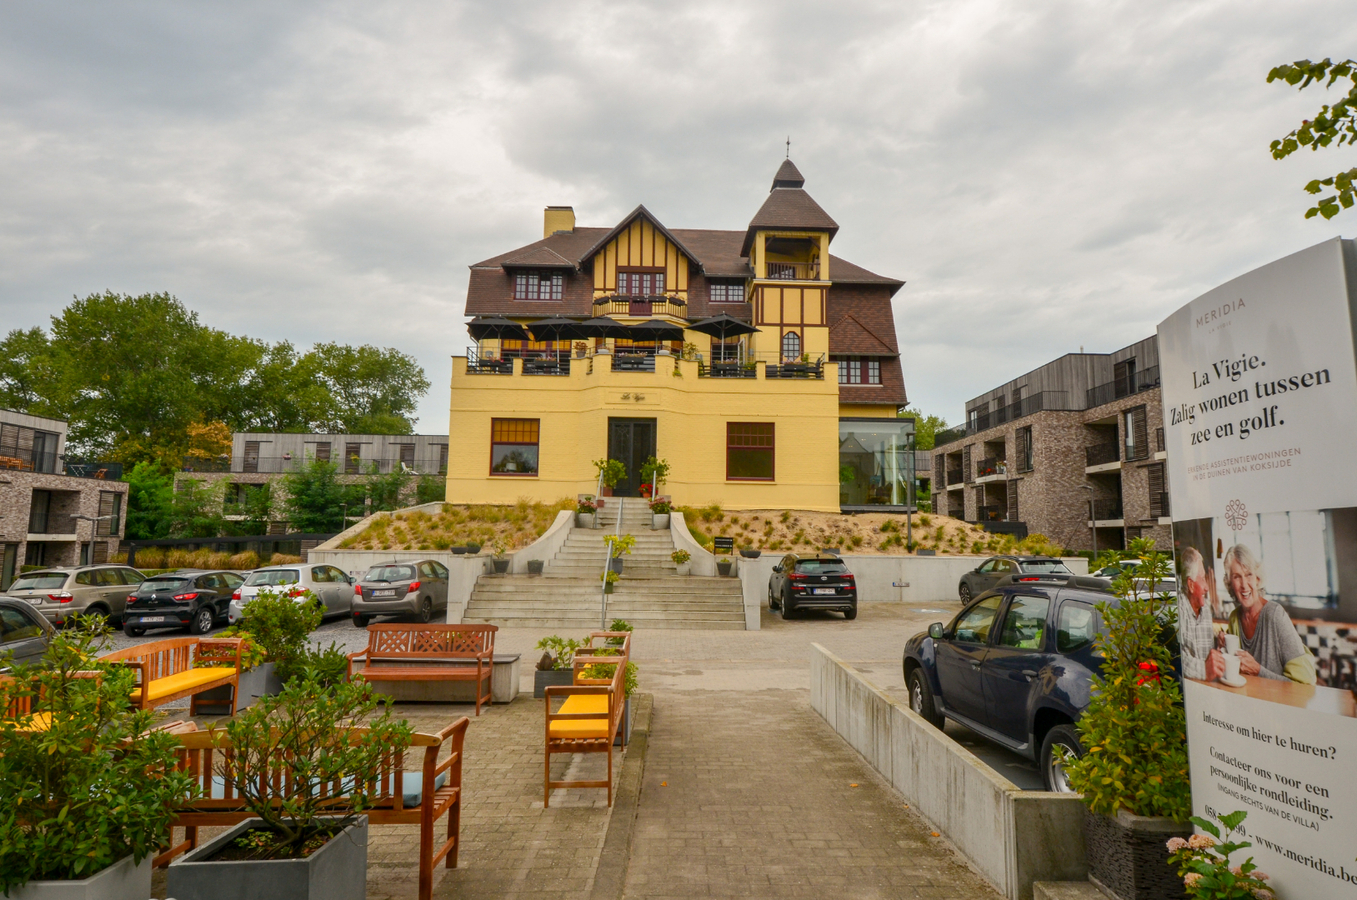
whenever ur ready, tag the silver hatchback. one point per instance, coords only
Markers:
(418, 588)
(61, 593)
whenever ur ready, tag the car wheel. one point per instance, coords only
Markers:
(786, 607)
(97, 611)
(850, 614)
(134, 630)
(360, 621)
(426, 610)
(921, 699)
(772, 599)
(202, 621)
(965, 594)
(1059, 740)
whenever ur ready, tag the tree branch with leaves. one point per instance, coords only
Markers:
(1334, 125)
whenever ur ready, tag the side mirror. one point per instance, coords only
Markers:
(777, 569)
(935, 631)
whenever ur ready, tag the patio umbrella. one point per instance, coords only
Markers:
(556, 328)
(497, 327)
(604, 327)
(723, 326)
(655, 330)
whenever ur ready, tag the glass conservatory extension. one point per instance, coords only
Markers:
(876, 464)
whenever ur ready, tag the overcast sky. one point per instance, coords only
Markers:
(1044, 175)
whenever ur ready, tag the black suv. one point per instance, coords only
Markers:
(1015, 666)
(988, 574)
(812, 581)
(190, 598)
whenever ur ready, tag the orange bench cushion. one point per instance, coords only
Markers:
(160, 688)
(580, 729)
(35, 722)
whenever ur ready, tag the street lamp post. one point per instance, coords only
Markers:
(92, 520)
(1092, 522)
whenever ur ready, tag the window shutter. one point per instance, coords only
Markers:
(1156, 480)
(408, 455)
(939, 470)
(967, 471)
(251, 456)
(1013, 501)
(323, 452)
(351, 454)
(1021, 439)
(1138, 443)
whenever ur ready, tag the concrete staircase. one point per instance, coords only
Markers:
(649, 594)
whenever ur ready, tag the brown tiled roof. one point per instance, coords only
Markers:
(490, 291)
(850, 336)
(570, 245)
(719, 251)
(869, 305)
(788, 175)
(539, 258)
(788, 208)
(890, 392)
(841, 271)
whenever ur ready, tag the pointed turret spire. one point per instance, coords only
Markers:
(788, 176)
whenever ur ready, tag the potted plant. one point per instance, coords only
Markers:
(586, 511)
(609, 579)
(499, 561)
(680, 558)
(618, 544)
(535, 566)
(659, 513)
(88, 801)
(725, 567)
(1134, 776)
(1204, 862)
(557, 665)
(472, 548)
(654, 472)
(612, 471)
(581, 349)
(645, 490)
(309, 843)
(750, 553)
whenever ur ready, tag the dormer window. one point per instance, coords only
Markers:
(640, 284)
(727, 292)
(534, 286)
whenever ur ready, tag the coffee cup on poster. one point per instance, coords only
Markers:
(1231, 645)
(1231, 668)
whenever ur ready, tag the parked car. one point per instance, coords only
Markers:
(812, 581)
(189, 598)
(332, 588)
(1168, 584)
(986, 575)
(60, 593)
(1016, 666)
(24, 633)
(417, 588)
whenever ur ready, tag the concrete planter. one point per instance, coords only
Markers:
(624, 730)
(751, 554)
(337, 871)
(254, 683)
(1127, 856)
(545, 678)
(535, 566)
(659, 521)
(501, 565)
(615, 565)
(585, 520)
(684, 568)
(725, 567)
(121, 881)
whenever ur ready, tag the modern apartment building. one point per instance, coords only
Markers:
(1073, 450)
(53, 511)
(764, 369)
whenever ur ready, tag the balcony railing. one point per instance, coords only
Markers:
(1103, 510)
(781, 271)
(774, 367)
(724, 369)
(103, 471)
(649, 305)
(50, 523)
(1102, 454)
(989, 513)
(275, 465)
(954, 476)
(1122, 387)
(29, 460)
(942, 438)
(1034, 403)
(991, 466)
(548, 366)
(633, 362)
(476, 364)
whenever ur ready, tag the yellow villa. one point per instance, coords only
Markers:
(763, 369)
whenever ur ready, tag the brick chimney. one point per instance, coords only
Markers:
(558, 218)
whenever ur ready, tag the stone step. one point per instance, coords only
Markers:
(673, 585)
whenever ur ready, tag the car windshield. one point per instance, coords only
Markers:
(272, 577)
(39, 581)
(391, 573)
(821, 567)
(1045, 566)
(163, 583)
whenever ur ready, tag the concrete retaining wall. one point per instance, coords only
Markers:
(702, 562)
(1013, 837)
(545, 547)
(462, 570)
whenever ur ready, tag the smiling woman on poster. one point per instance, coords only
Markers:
(1269, 644)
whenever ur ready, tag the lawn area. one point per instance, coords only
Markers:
(515, 525)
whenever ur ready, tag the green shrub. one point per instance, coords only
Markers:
(95, 786)
(562, 650)
(281, 625)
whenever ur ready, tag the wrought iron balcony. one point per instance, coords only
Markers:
(1104, 510)
(991, 466)
(476, 364)
(1122, 387)
(954, 476)
(989, 513)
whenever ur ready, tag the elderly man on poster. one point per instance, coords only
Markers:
(1269, 644)
(1196, 634)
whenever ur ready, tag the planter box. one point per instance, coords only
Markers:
(1127, 858)
(725, 567)
(684, 568)
(121, 881)
(624, 730)
(609, 588)
(501, 566)
(659, 521)
(751, 554)
(257, 682)
(615, 565)
(535, 566)
(504, 676)
(545, 678)
(585, 520)
(337, 871)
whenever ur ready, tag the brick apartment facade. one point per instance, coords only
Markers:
(53, 512)
(1070, 450)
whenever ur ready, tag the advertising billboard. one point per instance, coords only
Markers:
(1259, 380)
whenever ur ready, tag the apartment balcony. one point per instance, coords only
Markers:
(955, 477)
(1102, 458)
(773, 364)
(1122, 387)
(278, 465)
(641, 306)
(50, 526)
(991, 469)
(29, 460)
(1106, 514)
(1034, 403)
(782, 271)
(990, 513)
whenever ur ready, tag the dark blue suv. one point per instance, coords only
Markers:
(1016, 666)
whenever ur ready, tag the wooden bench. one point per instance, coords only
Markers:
(181, 667)
(414, 652)
(588, 720)
(420, 797)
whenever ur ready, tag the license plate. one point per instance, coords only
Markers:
(390, 593)
(155, 618)
(825, 591)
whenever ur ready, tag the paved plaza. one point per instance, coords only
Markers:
(738, 789)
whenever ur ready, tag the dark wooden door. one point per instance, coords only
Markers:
(632, 442)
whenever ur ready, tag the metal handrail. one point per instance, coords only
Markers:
(608, 564)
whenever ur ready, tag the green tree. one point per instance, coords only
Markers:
(431, 489)
(256, 508)
(1332, 126)
(317, 502)
(371, 391)
(25, 371)
(925, 427)
(150, 501)
(384, 491)
(196, 510)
